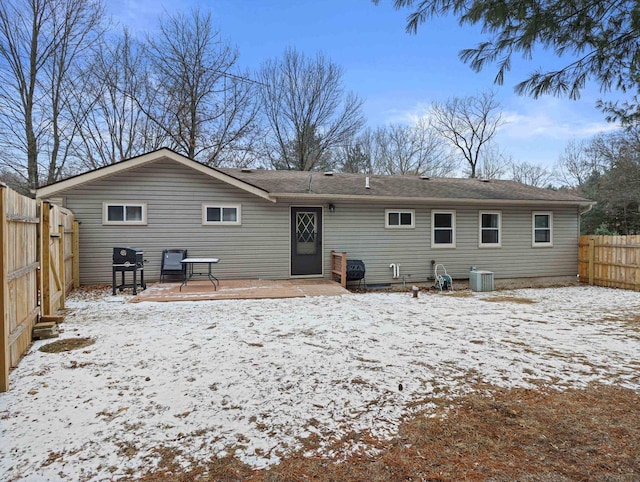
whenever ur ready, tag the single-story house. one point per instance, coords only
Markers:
(284, 224)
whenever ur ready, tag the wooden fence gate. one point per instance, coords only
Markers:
(612, 261)
(59, 240)
(39, 253)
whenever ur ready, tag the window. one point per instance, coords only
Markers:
(396, 219)
(443, 229)
(490, 235)
(221, 214)
(124, 213)
(542, 229)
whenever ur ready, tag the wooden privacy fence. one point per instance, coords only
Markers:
(39, 253)
(18, 278)
(612, 261)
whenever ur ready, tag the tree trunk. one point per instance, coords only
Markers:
(32, 142)
(32, 150)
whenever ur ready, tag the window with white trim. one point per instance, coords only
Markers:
(399, 218)
(124, 213)
(490, 225)
(542, 226)
(224, 214)
(443, 229)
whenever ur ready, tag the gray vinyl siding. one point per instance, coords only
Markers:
(360, 231)
(174, 194)
(260, 246)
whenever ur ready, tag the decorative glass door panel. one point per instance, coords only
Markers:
(306, 232)
(306, 241)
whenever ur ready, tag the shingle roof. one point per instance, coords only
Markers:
(272, 185)
(282, 183)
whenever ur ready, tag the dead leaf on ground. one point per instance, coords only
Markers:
(69, 344)
(510, 299)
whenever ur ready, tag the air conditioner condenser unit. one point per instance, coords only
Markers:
(481, 280)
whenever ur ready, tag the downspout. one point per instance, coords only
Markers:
(582, 213)
(586, 211)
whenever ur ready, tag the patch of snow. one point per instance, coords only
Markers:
(253, 377)
(115, 299)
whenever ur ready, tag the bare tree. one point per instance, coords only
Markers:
(468, 123)
(531, 174)
(493, 163)
(112, 126)
(307, 110)
(24, 50)
(77, 24)
(354, 159)
(619, 190)
(202, 102)
(412, 150)
(575, 164)
(41, 41)
(14, 180)
(398, 150)
(358, 154)
(605, 150)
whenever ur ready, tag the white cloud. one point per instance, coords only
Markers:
(398, 116)
(551, 120)
(526, 118)
(535, 130)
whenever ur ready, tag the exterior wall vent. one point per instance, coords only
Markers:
(481, 281)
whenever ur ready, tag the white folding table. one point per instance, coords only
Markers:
(190, 262)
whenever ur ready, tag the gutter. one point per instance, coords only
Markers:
(424, 200)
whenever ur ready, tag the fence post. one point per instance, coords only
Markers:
(76, 254)
(5, 361)
(45, 273)
(61, 266)
(592, 252)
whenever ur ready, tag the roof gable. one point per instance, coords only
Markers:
(151, 157)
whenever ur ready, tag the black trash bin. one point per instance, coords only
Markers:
(356, 271)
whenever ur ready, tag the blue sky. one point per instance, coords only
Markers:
(397, 74)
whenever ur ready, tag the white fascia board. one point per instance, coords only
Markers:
(126, 165)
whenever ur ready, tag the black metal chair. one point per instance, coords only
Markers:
(172, 264)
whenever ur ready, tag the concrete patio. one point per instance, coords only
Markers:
(240, 290)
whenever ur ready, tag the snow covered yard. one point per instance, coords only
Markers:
(255, 378)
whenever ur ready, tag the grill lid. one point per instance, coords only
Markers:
(123, 256)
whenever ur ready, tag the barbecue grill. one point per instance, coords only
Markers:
(128, 260)
(356, 271)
